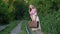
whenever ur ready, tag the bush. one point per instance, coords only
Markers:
(6, 14)
(3, 15)
(21, 10)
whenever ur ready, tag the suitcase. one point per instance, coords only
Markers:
(33, 24)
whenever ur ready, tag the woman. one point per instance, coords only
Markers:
(33, 15)
(33, 12)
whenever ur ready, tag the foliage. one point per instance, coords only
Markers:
(21, 11)
(3, 13)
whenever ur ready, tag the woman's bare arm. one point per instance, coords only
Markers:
(35, 15)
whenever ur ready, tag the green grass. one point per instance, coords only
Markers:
(49, 24)
(10, 27)
(23, 27)
(22, 32)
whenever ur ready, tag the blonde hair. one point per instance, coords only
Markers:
(31, 6)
